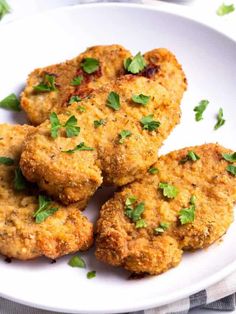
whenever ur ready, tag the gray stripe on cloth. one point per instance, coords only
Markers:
(197, 299)
(226, 304)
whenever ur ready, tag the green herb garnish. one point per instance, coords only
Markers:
(79, 147)
(123, 135)
(220, 120)
(230, 157)
(231, 169)
(135, 212)
(191, 156)
(81, 108)
(113, 101)
(47, 85)
(163, 226)
(6, 161)
(20, 182)
(4, 8)
(44, 210)
(77, 80)
(225, 9)
(153, 170)
(141, 223)
(141, 99)
(77, 261)
(55, 125)
(90, 65)
(98, 123)
(136, 64)
(74, 98)
(187, 215)
(91, 274)
(168, 190)
(11, 102)
(149, 124)
(202, 105)
(71, 127)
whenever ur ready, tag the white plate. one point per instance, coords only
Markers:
(208, 58)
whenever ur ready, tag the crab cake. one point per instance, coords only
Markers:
(50, 89)
(23, 236)
(123, 137)
(185, 202)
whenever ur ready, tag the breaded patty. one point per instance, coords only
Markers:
(38, 105)
(145, 228)
(64, 232)
(74, 177)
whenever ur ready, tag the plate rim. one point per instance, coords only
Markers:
(190, 15)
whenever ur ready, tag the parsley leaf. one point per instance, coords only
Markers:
(187, 215)
(191, 156)
(123, 135)
(225, 9)
(136, 64)
(90, 65)
(134, 213)
(20, 182)
(220, 120)
(77, 80)
(55, 125)
(81, 108)
(98, 123)
(71, 128)
(47, 85)
(11, 102)
(169, 190)
(141, 223)
(202, 105)
(74, 98)
(230, 157)
(153, 170)
(163, 226)
(44, 210)
(4, 8)
(91, 274)
(77, 261)
(113, 101)
(141, 99)
(79, 147)
(231, 169)
(6, 161)
(149, 124)
(130, 200)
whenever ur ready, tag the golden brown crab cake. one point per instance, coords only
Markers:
(72, 177)
(63, 232)
(186, 204)
(56, 94)
(163, 66)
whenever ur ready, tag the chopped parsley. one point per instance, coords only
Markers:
(136, 64)
(191, 156)
(79, 147)
(55, 125)
(202, 105)
(4, 8)
(230, 157)
(77, 80)
(168, 190)
(187, 215)
(77, 261)
(231, 169)
(44, 210)
(90, 65)
(98, 123)
(74, 98)
(6, 161)
(11, 102)
(135, 212)
(113, 101)
(48, 84)
(149, 124)
(141, 99)
(81, 108)
(20, 182)
(163, 226)
(70, 126)
(91, 274)
(225, 9)
(153, 170)
(220, 120)
(123, 135)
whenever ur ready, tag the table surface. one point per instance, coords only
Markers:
(205, 9)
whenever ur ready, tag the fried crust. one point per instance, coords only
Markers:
(120, 243)
(38, 106)
(66, 231)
